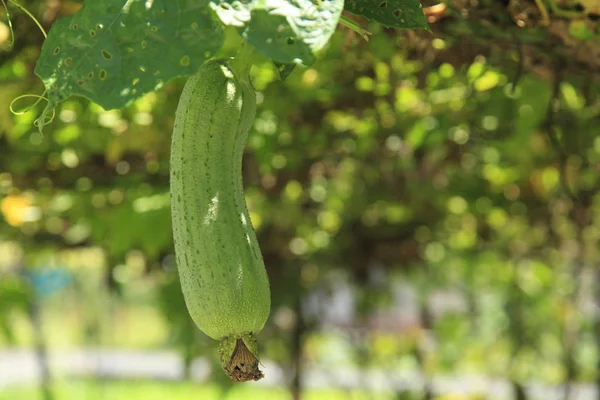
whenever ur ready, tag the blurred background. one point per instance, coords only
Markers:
(426, 205)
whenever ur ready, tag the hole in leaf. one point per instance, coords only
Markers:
(142, 68)
(99, 26)
(90, 75)
(154, 28)
(383, 4)
(185, 61)
(92, 33)
(106, 54)
(68, 61)
(291, 40)
(56, 50)
(80, 83)
(397, 13)
(144, 44)
(135, 81)
(75, 26)
(102, 74)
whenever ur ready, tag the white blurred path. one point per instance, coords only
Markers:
(19, 367)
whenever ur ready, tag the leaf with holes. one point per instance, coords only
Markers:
(401, 14)
(114, 51)
(287, 31)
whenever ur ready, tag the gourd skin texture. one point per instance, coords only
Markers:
(220, 265)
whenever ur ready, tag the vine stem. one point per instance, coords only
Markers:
(348, 23)
(243, 61)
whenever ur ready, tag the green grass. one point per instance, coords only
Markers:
(160, 390)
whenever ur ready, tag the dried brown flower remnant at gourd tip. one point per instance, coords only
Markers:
(243, 365)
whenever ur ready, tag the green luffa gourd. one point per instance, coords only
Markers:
(220, 264)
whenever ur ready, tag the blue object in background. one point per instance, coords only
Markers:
(47, 281)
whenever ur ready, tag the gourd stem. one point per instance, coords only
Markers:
(243, 61)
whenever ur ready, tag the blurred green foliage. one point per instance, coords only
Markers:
(465, 172)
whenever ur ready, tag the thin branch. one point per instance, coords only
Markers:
(520, 65)
(552, 133)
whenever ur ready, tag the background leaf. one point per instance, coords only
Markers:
(284, 70)
(402, 14)
(285, 31)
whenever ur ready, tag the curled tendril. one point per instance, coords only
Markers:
(26, 11)
(9, 23)
(41, 97)
(9, 20)
(27, 109)
(47, 121)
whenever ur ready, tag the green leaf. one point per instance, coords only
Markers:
(287, 31)
(115, 51)
(401, 14)
(532, 106)
(284, 70)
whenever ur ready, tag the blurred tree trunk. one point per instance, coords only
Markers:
(40, 348)
(571, 333)
(188, 358)
(419, 350)
(109, 278)
(580, 216)
(404, 395)
(297, 337)
(596, 330)
(516, 329)
(519, 391)
(426, 318)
